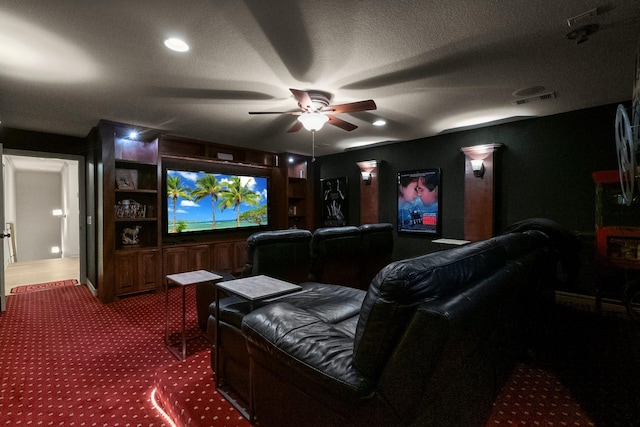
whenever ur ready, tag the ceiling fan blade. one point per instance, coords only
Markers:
(333, 120)
(296, 127)
(304, 100)
(352, 107)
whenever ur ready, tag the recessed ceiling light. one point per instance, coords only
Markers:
(176, 44)
(379, 123)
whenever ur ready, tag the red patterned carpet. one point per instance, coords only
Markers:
(535, 397)
(187, 393)
(68, 360)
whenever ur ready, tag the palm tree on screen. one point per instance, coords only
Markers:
(208, 185)
(255, 215)
(234, 194)
(175, 189)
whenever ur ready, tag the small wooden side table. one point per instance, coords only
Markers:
(183, 280)
(253, 289)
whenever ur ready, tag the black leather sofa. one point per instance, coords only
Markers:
(346, 255)
(429, 343)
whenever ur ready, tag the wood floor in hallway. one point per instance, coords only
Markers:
(40, 271)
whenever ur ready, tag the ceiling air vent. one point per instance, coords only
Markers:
(537, 98)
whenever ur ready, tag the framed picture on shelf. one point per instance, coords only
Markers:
(334, 202)
(419, 201)
(126, 179)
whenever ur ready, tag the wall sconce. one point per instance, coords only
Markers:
(478, 168)
(58, 213)
(367, 169)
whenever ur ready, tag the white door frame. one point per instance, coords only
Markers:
(3, 299)
(82, 234)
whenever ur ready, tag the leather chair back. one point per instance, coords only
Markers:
(336, 255)
(402, 286)
(283, 254)
(376, 249)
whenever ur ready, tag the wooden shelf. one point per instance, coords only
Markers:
(133, 163)
(137, 191)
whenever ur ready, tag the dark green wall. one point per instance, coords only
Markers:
(543, 170)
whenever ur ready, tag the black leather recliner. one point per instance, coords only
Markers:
(435, 338)
(350, 256)
(376, 248)
(283, 254)
(336, 256)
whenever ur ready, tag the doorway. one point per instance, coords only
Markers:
(44, 203)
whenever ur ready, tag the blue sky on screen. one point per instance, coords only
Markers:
(201, 210)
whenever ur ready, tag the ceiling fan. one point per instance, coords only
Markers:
(316, 110)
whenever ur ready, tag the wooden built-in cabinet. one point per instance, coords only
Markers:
(240, 256)
(137, 270)
(131, 252)
(203, 150)
(223, 257)
(128, 251)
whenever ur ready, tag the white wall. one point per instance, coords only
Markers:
(9, 203)
(37, 230)
(71, 207)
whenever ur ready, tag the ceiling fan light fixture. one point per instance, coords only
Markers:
(379, 122)
(313, 121)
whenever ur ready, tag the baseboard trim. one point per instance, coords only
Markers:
(92, 289)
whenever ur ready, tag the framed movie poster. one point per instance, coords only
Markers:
(419, 201)
(334, 202)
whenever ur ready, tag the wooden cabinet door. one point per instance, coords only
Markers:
(240, 249)
(149, 269)
(174, 260)
(223, 257)
(199, 257)
(126, 269)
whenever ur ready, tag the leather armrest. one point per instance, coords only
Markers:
(305, 347)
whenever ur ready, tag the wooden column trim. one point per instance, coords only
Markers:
(369, 194)
(479, 193)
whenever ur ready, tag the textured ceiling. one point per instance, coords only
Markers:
(430, 66)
